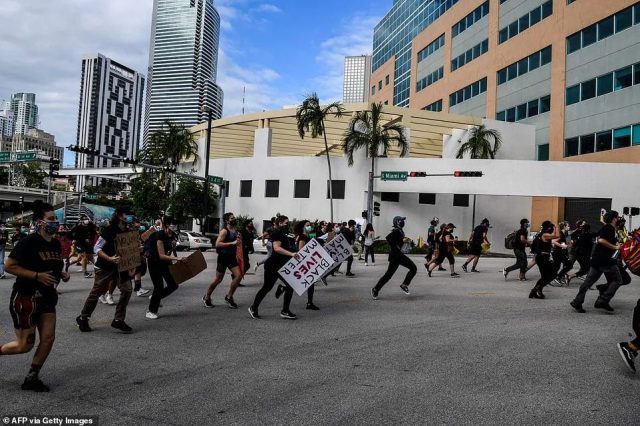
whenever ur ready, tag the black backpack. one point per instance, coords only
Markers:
(510, 240)
(535, 244)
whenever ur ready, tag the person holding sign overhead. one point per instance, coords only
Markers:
(282, 252)
(106, 271)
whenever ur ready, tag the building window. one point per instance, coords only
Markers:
(525, 21)
(613, 81)
(543, 152)
(380, 85)
(603, 141)
(386, 80)
(587, 144)
(301, 188)
(430, 79)
(392, 197)
(473, 17)
(468, 92)
(604, 28)
(245, 188)
(622, 78)
(525, 65)
(337, 188)
(426, 198)
(431, 48)
(471, 54)
(622, 137)
(636, 135)
(461, 200)
(434, 107)
(272, 189)
(373, 90)
(571, 147)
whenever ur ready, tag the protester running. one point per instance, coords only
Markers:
(478, 237)
(520, 242)
(541, 247)
(445, 251)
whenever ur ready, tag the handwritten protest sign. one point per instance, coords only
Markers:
(339, 249)
(128, 248)
(188, 267)
(308, 265)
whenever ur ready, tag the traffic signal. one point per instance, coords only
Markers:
(417, 174)
(21, 199)
(460, 173)
(625, 211)
(376, 208)
(364, 214)
(635, 211)
(83, 150)
(54, 166)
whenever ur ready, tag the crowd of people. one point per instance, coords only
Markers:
(40, 260)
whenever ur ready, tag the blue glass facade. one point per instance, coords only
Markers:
(393, 35)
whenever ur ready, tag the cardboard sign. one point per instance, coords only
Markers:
(188, 267)
(128, 248)
(306, 267)
(339, 249)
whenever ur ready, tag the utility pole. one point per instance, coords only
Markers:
(206, 171)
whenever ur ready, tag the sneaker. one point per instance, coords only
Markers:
(440, 268)
(365, 264)
(110, 300)
(83, 324)
(103, 299)
(253, 313)
(230, 302)
(455, 275)
(373, 264)
(555, 283)
(312, 307)
(405, 288)
(279, 291)
(350, 274)
(288, 315)
(142, 292)
(374, 294)
(524, 279)
(3, 276)
(464, 267)
(602, 288)
(505, 273)
(474, 270)
(207, 302)
(151, 315)
(429, 272)
(577, 306)
(88, 274)
(603, 305)
(34, 384)
(627, 355)
(122, 326)
(337, 272)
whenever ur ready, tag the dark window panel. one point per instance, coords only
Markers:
(605, 84)
(521, 112)
(245, 188)
(587, 144)
(605, 28)
(588, 89)
(623, 78)
(545, 104)
(301, 188)
(392, 197)
(426, 198)
(272, 188)
(622, 137)
(571, 147)
(589, 35)
(461, 200)
(533, 108)
(603, 141)
(624, 19)
(338, 189)
(573, 94)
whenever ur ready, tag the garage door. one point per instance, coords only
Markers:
(587, 209)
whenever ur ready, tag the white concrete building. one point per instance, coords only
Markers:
(355, 87)
(270, 170)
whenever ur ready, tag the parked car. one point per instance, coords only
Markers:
(189, 240)
(258, 247)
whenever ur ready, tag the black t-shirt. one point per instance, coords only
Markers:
(83, 234)
(167, 240)
(444, 246)
(349, 235)
(38, 255)
(277, 259)
(518, 244)
(303, 237)
(395, 240)
(478, 234)
(603, 256)
(582, 243)
(109, 247)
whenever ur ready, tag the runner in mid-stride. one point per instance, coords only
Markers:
(629, 350)
(37, 264)
(396, 258)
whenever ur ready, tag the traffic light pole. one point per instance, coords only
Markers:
(370, 199)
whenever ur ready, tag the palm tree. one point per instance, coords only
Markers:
(311, 116)
(479, 143)
(366, 130)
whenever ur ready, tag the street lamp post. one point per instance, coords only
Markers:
(209, 112)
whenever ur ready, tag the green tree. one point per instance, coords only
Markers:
(147, 198)
(187, 201)
(483, 143)
(29, 175)
(311, 116)
(368, 131)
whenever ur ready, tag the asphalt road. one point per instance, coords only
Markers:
(473, 350)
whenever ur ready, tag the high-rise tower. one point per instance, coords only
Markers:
(357, 71)
(183, 59)
(25, 112)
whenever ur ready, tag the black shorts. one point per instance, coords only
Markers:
(26, 308)
(81, 249)
(226, 260)
(475, 249)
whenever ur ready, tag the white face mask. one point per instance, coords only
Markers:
(173, 228)
(85, 222)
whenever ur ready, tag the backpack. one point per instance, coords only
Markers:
(510, 240)
(535, 244)
(631, 253)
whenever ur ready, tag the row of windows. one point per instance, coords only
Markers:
(434, 107)
(386, 83)
(603, 141)
(526, 21)
(525, 110)
(607, 83)
(603, 29)
(523, 66)
(301, 188)
(431, 48)
(471, 54)
(430, 79)
(473, 17)
(468, 92)
(459, 200)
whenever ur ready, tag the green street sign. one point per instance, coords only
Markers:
(394, 176)
(25, 156)
(216, 180)
(91, 196)
(5, 156)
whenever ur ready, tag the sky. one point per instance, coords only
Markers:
(280, 50)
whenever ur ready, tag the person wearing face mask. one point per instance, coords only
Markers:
(4, 237)
(37, 264)
(21, 233)
(84, 234)
(396, 259)
(302, 231)
(446, 244)
(141, 270)
(107, 272)
(521, 241)
(282, 252)
(158, 262)
(560, 255)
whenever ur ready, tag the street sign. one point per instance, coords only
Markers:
(5, 156)
(91, 197)
(393, 176)
(25, 156)
(216, 180)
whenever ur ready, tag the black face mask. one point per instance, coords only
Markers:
(232, 222)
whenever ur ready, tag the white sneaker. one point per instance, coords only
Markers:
(373, 264)
(151, 315)
(103, 299)
(142, 292)
(366, 264)
(110, 300)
